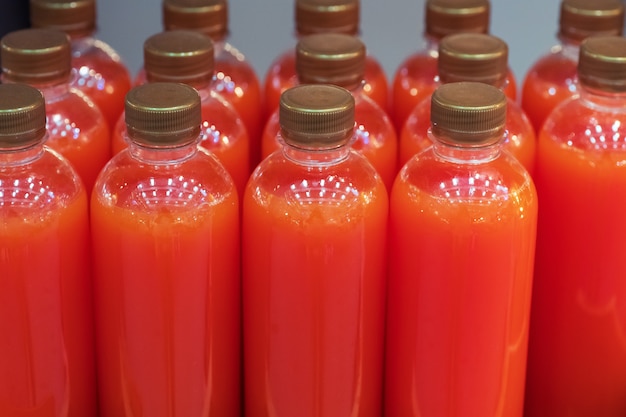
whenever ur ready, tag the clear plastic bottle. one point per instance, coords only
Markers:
(235, 78)
(188, 57)
(100, 72)
(314, 267)
(322, 16)
(333, 58)
(462, 219)
(76, 127)
(472, 57)
(47, 363)
(552, 78)
(165, 235)
(416, 76)
(577, 351)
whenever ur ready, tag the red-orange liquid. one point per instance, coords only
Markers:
(375, 137)
(416, 78)
(223, 133)
(314, 287)
(462, 241)
(167, 289)
(47, 364)
(519, 138)
(282, 75)
(551, 80)
(101, 75)
(78, 131)
(577, 350)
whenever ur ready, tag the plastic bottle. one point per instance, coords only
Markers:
(472, 57)
(314, 267)
(99, 72)
(46, 319)
(577, 351)
(165, 232)
(76, 127)
(333, 58)
(235, 78)
(322, 16)
(188, 57)
(552, 78)
(416, 76)
(462, 221)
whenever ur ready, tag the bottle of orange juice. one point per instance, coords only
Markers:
(165, 233)
(416, 76)
(472, 57)
(188, 57)
(577, 350)
(314, 266)
(235, 77)
(47, 363)
(76, 127)
(339, 59)
(462, 219)
(99, 71)
(323, 16)
(552, 78)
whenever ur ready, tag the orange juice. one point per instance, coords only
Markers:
(314, 262)
(462, 230)
(165, 231)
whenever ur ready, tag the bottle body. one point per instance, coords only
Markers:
(166, 259)
(101, 75)
(462, 241)
(519, 138)
(46, 317)
(314, 285)
(579, 290)
(549, 81)
(375, 137)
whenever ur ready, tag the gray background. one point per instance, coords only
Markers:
(391, 29)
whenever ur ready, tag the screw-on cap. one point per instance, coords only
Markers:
(319, 16)
(468, 112)
(316, 116)
(36, 56)
(22, 116)
(179, 56)
(602, 63)
(74, 17)
(444, 17)
(473, 57)
(207, 16)
(330, 58)
(163, 114)
(582, 18)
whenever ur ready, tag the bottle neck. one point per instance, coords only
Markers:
(568, 47)
(465, 153)
(163, 155)
(600, 98)
(22, 156)
(51, 90)
(315, 157)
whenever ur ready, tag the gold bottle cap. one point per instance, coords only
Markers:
(468, 112)
(179, 56)
(207, 16)
(22, 116)
(444, 17)
(36, 56)
(163, 114)
(319, 16)
(330, 58)
(582, 18)
(316, 116)
(602, 63)
(74, 17)
(473, 57)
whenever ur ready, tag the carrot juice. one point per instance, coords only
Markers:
(314, 268)
(46, 318)
(165, 231)
(462, 230)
